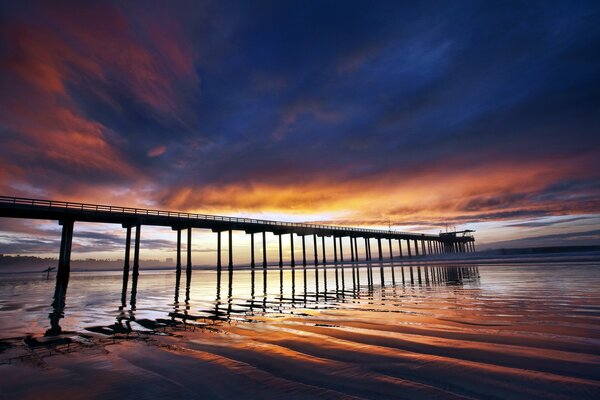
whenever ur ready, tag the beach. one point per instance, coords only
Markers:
(515, 330)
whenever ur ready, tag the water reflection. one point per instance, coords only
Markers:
(313, 293)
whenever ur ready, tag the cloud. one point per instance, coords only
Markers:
(83, 242)
(419, 113)
(583, 238)
(157, 151)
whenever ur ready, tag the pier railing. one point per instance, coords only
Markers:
(127, 211)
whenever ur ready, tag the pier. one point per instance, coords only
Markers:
(67, 213)
(133, 219)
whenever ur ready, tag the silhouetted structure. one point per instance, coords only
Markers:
(67, 213)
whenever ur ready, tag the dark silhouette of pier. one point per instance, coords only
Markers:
(67, 213)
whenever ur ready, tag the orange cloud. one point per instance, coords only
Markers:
(432, 196)
(157, 151)
(49, 136)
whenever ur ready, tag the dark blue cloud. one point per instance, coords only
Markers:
(290, 92)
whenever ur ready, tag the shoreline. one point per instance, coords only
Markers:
(478, 258)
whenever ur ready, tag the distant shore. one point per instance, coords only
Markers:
(29, 264)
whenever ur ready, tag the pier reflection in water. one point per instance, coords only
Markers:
(227, 294)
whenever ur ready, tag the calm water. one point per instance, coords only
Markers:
(487, 331)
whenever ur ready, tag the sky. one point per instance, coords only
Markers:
(412, 115)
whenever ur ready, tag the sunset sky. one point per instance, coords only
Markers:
(480, 115)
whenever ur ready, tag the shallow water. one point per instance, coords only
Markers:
(477, 331)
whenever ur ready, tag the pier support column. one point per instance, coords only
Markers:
(136, 266)
(324, 253)
(136, 251)
(280, 253)
(178, 266)
(351, 249)
(424, 252)
(264, 246)
(408, 248)
(341, 250)
(379, 247)
(390, 246)
(230, 248)
(304, 250)
(356, 248)
(416, 248)
(219, 249)
(315, 249)
(126, 265)
(400, 247)
(64, 264)
(335, 257)
(366, 249)
(252, 263)
(293, 259)
(189, 250)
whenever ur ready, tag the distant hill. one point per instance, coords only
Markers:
(31, 264)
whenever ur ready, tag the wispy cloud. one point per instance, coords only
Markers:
(411, 113)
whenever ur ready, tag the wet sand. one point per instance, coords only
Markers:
(492, 332)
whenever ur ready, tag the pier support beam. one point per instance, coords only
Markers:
(136, 251)
(280, 253)
(126, 265)
(252, 263)
(335, 257)
(315, 249)
(189, 250)
(219, 249)
(230, 248)
(264, 248)
(304, 250)
(136, 266)
(178, 266)
(64, 264)
(293, 259)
